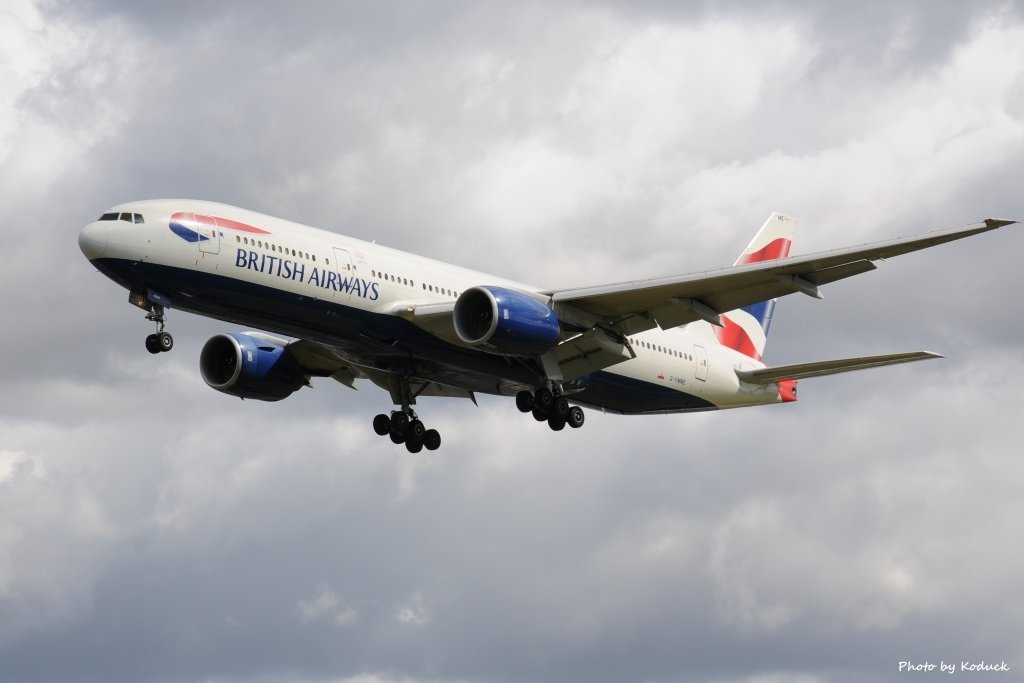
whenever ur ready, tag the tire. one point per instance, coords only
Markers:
(399, 423)
(576, 417)
(432, 440)
(543, 398)
(556, 423)
(539, 415)
(416, 430)
(397, 438)
(165, 341)
(152, 345)
(524, 401)
(413, 445)
(561, 408)
(382, 425)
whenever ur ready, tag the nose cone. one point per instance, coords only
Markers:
(93, 240)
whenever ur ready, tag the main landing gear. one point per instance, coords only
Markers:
(550, 407)
(160, 341)
(404, 427)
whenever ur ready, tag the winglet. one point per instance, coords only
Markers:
(993, 223)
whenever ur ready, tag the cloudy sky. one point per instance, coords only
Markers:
(154, 530)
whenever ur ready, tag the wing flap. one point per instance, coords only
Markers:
(588, 352)
(830, 367)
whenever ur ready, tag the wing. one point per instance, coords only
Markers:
(320, 360)
(631, 307)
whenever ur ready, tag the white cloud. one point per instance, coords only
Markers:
(326, 605)
(414, 612)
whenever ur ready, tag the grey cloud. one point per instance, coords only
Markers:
(156, 530)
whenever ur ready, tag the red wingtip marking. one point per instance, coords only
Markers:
(787, 390)
(776, 249)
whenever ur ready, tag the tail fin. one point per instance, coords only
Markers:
(746, 329)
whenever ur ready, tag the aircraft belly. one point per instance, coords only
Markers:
(366, 338)
(619, 393)
(381, 341)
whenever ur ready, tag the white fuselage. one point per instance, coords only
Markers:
(287, 278)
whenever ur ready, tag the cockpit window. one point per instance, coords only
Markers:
(124, 216)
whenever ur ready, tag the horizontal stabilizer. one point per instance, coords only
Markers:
(830, 367)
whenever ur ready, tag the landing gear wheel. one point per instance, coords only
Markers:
(556, 423)
(160, 341)
(543, 398)
(539, 415)
(165, 341)
(524, 401)
(397, 438)
(416, 430)
(431, 440)
(382, 425)
(413, 445)
(399, 423)
(561, 408)
(575, 417)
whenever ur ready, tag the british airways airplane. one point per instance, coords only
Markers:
(353, 310)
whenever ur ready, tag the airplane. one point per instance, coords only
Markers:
(333, 306)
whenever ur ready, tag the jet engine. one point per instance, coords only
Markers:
(505, 321)
(250, 367)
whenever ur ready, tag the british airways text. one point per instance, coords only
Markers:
(293, 270)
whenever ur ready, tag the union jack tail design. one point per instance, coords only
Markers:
(746, 329)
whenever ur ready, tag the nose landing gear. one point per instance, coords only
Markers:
(160, 341)
(153, 303)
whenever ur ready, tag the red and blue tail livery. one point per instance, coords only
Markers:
(323, 305)
(746, 329)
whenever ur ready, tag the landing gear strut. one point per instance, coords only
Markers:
(160, 341)
(403, 426)
(548, 406)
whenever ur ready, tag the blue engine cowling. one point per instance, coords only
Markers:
(505, 321)
(249, 367)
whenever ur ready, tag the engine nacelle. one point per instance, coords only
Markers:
(505, 321)
(249, 367)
